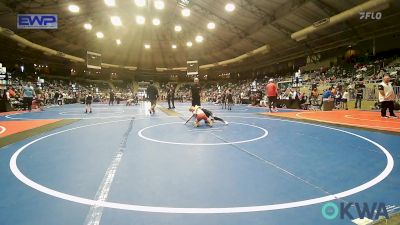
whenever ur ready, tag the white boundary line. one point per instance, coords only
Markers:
(96, 113)
(333, 123)
(140, 133)
(2, 129)
(389, 167)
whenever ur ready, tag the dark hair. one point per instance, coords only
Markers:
(151, 82)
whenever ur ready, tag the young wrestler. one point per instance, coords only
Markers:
(199, 115)
(210, 114)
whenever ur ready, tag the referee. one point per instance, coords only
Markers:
(386, 97)
(196, 90)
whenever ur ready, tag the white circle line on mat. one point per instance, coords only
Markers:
(140, 133)
(178, 210)
(2, 129)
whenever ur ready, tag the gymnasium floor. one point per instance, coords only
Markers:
(120, 165)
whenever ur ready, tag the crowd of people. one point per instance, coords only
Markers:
(337, 84)
(25, 95)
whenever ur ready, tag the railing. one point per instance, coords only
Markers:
(397, 91)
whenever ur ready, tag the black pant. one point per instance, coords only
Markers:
(210, 114)
(272, 101)
(387, 105)
(171, 99)
(28, 103)
(196, 100)
(358, 100)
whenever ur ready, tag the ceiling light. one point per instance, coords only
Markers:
(230, 7)
(116, 21)
(99, 35)
(73, 8)
(87, 26)
(118, 41)
(189, 44)
(211, 25)
(173, 46)
(158, 4)
(199, 38)
(140, 3)
(147, 46)
(185, 12)
(178, 28)
(140, 20)
(110, 3)
(156, 22)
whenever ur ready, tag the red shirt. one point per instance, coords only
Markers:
(271, 90)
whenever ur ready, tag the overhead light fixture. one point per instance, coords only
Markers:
(230, 7)
(116, 21)
(140, 3)
(173, 46)
(199, 38)
(211, 25)
(118, 41)
(147, 46)
(156, 21)
(158, 4)
(140, 20)
(87, 26)
(110, 3)
(178, 28)
(189, 44)
(185, 12)
(73, 8)
(99, 35)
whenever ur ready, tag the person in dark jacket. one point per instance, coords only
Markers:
(152, 95)
(171, 96)
(196, 91)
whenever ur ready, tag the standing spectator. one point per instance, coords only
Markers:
(60, 100)
(272, 94)
(171, 96)
(112, 96)
(345, 99)
(152, 94)
(55, 99)
(359, 94)
(28, 93)
(196, 90)
(229, 98)
(88, 102)
(386, 97)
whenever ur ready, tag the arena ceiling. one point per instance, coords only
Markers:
(266, 25)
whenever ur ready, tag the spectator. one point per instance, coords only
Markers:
(152, 94)
(359, 87)
(272, 94)
(386, 97)
(345, 99)
(28, 94)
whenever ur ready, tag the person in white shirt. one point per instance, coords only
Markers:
(345, 98)
(386, 97)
